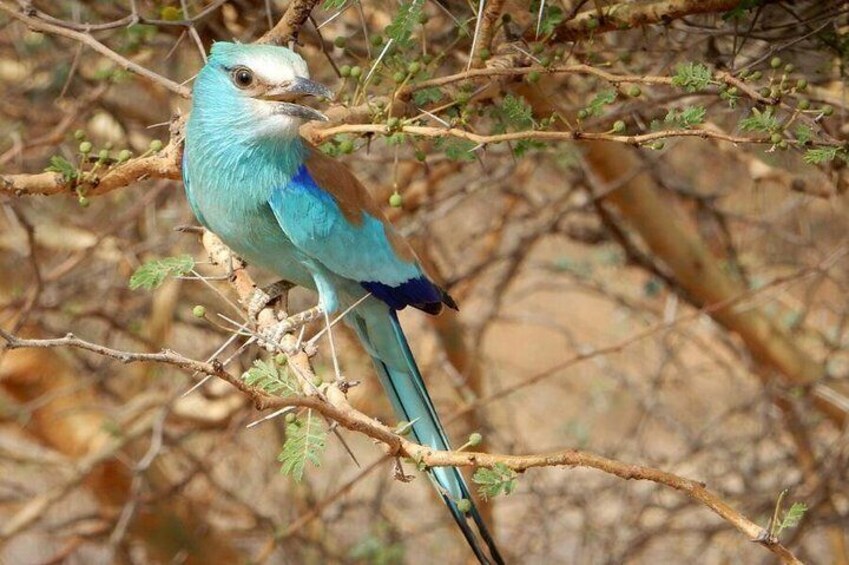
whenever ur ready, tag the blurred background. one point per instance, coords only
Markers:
(680, 304)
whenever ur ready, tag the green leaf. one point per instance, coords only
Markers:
(499, 479)
(820, 155)
(153, 273)
(59, 164)
(760, 121)
(517, 112)
(305, 441)
(552, 16)
(457, 149)
(271, 378)
(427, 96)
(792, 517)
(401, 28)
(686, 117)
(397, 138)
(804, 134)
(602, 99)
(692, 76)
(523, 146)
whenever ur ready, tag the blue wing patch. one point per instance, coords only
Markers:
(315, 224)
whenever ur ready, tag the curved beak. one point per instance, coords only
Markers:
(290, 91)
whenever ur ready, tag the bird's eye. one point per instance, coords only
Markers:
(243, 77)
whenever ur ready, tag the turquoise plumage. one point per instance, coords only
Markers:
(284, 206)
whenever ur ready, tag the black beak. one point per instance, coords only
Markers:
(295, 89)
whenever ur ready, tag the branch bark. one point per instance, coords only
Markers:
(332, 403)
(286, 30)
(628, 15)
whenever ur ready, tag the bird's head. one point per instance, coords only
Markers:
(258, 87)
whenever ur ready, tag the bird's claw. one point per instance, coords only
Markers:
(262, 297)
(271, 336)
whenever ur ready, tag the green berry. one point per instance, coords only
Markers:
(340, 41)
(757, 75)
(776, 138)
(393, 122)
(658, 145)
(403, 428)
(634, 91)
(376, 40)
(103, 155)
(427, 58)
(396, 200)
(592, 23)
(618, 126)
(84, 202)
(399, 76)
(475, 439)
(79, 135)
(356, 71)
(464, 505)
(281, 359)
(801, 84)
(732, 91)
(827, 110)
(783, 145)
(345, 71)
(803, 104)
(155, 145)
(124, 155)
(582, 114)
(775, 62)
(765, 92)
(85, 147)
(533, 76)
(485, 54)
(788, 68)
(290, 418)
(346, 146)
(199, 311)
(545, 60)
(537, 48)
(421, 156)
(414, 67)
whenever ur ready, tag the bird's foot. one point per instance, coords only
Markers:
(262, 297)
(271, 336)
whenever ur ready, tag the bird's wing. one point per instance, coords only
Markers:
(189, 194)
(328, 214)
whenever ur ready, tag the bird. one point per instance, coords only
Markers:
(283, 205)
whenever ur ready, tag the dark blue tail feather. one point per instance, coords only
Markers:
(404, 386)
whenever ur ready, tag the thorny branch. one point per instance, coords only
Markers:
(332, 403)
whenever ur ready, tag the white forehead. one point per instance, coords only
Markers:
(272, 64)
(274, 69)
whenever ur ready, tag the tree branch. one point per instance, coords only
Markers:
(286, 30)
(628, 15)
(332, 403)
(87, 39)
